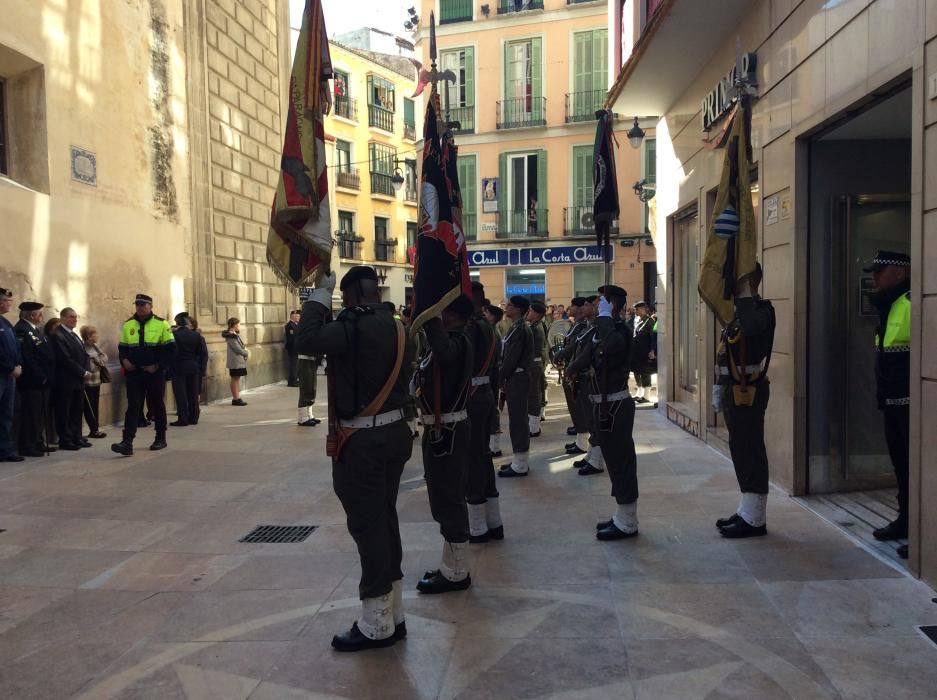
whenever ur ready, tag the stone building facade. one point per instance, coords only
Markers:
(140, 153)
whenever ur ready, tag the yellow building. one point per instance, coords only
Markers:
(371, 142)
(529, 76)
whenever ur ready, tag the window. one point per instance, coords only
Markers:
(526, 281)
(3, 131)
(346, 222)
(348, 246)
(412, 233)
(590, 74)
(455, 11)
(686, 313)
(650, 174)
(461, 92)
(382, 244)
(343, 156)
(382, 159)
(409, 119)
(468, 184)
(522, 209)
(380, 92)
(523, 103)
(341, 85)
(341, 89)
(578, 220)
(587, 279)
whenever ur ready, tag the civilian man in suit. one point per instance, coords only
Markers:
(71, 369)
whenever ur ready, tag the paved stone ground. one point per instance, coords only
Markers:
(124, 578)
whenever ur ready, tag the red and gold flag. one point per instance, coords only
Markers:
(299, 243)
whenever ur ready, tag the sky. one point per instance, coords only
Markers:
(346, 15)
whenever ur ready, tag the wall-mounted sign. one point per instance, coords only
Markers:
(305, 294)
(84, 166)
(490, 227)
(786, 207)
(721, 98)
(771, 210)
(529, 288)
(489, 194)
(555, 255)
(866, 292)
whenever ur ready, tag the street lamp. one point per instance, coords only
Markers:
(397, 179)
(635, 134)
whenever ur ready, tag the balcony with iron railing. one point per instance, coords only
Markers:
(348, 178)
(465, 116)
(470, 225)
(381, 118)
(522, 112)
(455, 11)
(346, 107)
(349, 245)
(409, 131)
(410, 193)
(507, 6)
(582, 106)
(385, 250)
(522, 224)
(382, 184)
(579, 221)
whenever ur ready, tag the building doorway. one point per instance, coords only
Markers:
(686, 303)
(860, 184)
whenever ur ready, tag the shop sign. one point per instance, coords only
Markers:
(529, 288)
(490, 257)
(563, 255)
(721, 98)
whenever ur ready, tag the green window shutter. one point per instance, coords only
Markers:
(541, 189)
(468, 182)
(650, 160)
(582, 58)
(600, 60)
(470, 76)
(582, 176)
(536, 67)
(408, 112)
(507, 71)
(503, 184)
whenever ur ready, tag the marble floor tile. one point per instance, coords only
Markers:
(321, 572)
(634, 561)
(165, 571)
(113, 535)
(18, 603)
(58, 568)
(518, 565)
(843, 561)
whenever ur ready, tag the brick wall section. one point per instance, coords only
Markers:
(244, 127)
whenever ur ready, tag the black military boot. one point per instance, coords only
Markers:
(740, 530)
(124, 447)
(435, 582)
(354, 640)
(896, 530)
(159, 443)
(731, 520)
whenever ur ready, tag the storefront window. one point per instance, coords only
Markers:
(526, 281)
(587, 279)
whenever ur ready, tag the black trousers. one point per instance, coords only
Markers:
(67, 406)
(479, 467)
(292, 368)
(898, 437)
(308, 382)
(89, 407)
(185, 388)
(746, 426)
(617, 443)
(444, 478)
(151, 388)
(31, 419)
(536, 389)
(366, 479)
(580, 419)
(516, 388)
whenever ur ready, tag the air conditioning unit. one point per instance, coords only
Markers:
(586, 220)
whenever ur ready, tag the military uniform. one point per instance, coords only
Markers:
(516, 369)
(537, 387)
(641, 347)
(33, 387)
(580, 419)
(10, 359)
(442, 384)
(594, 461)
(360, 347)
(481, 493)
(742, 373)
(292, 357)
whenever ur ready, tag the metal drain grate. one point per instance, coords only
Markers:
(929, 631)
(278, 534)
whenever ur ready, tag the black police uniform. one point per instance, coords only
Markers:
(292, 355)
(480, 471)
(445, 372)
(641, 347)
(33, 387)
(746, 350)
(191, 356)
(361, 347)
(516, 363)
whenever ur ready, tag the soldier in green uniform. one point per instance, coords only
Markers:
(494, 315)
(442, 385)
(563, 356)
(742, 393)
(369, 441)
(594, 461)
(608, 355)
(481, 493)
(538, 369)
(516, 364)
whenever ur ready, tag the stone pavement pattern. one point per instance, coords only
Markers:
(124, 578)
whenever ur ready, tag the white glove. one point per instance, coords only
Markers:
(605, 307)
(322, 293)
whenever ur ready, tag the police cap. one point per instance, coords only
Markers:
(639, 304)
(884, 258)
(181, 317)
(5, 293)
(31, 306)
(357, 274)
(143, 299)
(519, 302)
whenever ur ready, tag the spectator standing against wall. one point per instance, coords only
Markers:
(292, 354)
(191, 356)
(237, 359)
(71, 371)
(10, 370)
(97, 367)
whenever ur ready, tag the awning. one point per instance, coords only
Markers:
(679, 40)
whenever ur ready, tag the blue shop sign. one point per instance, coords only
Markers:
(553, 255)
(531, 288)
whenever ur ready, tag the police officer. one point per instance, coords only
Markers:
(11, 367)
(517, 361)
(642, 348)
(594, 461)
(289, 345)
(481, 493)
(191, 355)
(538, 379)
(146, 352)
(34, 384)
(369, 439)
(891, 274)
(613, 410)
(563, 356)
(743, 391)
(442, 384)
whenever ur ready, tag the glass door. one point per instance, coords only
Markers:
(686, 311)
